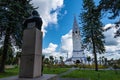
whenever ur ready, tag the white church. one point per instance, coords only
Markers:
(78, 51)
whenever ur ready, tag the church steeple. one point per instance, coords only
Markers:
(75, 24)
(77, 44)
(75, 30)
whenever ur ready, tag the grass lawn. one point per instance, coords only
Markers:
(54, 70)
(14, 71)
(9, 72)
(93, 75)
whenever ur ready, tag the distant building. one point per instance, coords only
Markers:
(78, 51)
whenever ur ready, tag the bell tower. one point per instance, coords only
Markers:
(78, 53)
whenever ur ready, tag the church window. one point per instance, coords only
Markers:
(76, 32)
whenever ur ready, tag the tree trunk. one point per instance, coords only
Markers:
(5, 50)
(94, 52)
(89, 63)
(95, 56)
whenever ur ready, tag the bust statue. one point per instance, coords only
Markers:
(33, 21)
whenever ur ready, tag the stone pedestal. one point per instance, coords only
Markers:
(31, 58)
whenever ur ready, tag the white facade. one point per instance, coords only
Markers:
(78, 53)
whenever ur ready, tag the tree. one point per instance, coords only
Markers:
(106, 61)
(113, 8)
(89, 59)
(103, 60)
(92, 31)
(46, 61)
(12, 14)
(61, 60)
(111, 62)
(1, 51)
(51, 59)
(16, 60)
(100, 60)
(10, 56)
(56, 61)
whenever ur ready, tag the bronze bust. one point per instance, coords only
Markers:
(34, 18)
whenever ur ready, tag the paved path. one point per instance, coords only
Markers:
(70, 70)
(71, 79)
(44, 77)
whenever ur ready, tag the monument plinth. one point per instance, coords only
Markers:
(31, 58)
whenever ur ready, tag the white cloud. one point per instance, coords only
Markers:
(48, 10)
(112, 45)
(109, 35)
(51, 50)
(66, 47)
(66, 43)
(107, 26)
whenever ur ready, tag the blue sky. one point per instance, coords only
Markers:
(57, 16)
(65, 22)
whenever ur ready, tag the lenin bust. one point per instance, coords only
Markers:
(33, 21)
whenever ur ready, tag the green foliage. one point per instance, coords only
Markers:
(118, 62)
(46, 61)
(10, 55)
(90, 19)
(111, 6)
(1, 52)
(89, 59)
(61, 60)
(51, 60)
(12, 15)
(92, 25)
(16, 58)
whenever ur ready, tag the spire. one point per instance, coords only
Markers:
(75, 24)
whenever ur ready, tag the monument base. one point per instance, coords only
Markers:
(31, 57)
(30, 66)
